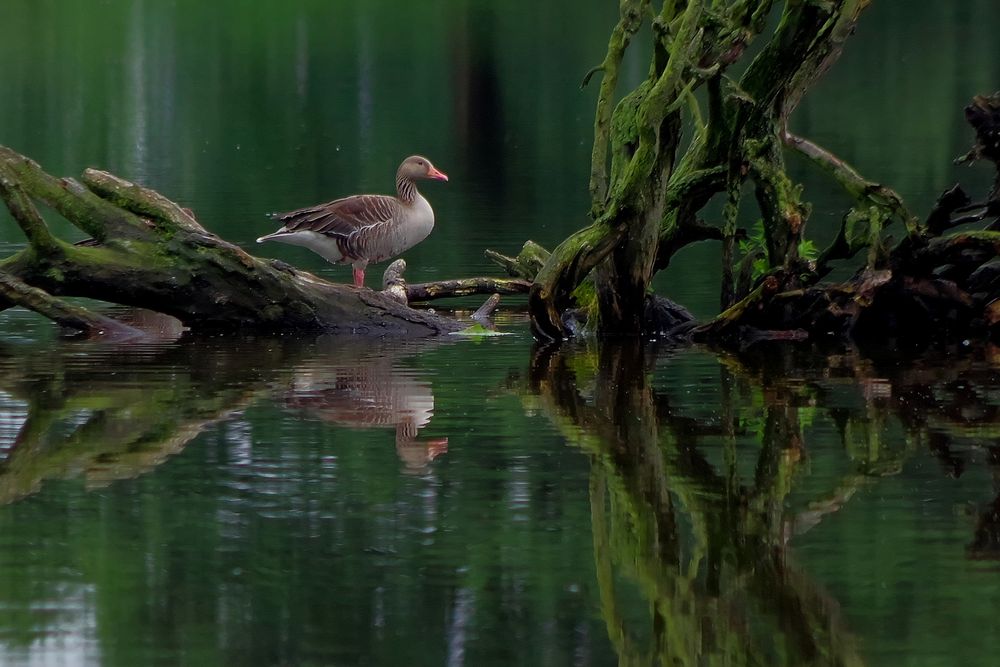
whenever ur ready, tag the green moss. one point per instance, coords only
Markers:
(625, 130)
(479, 331)
(126, 254)
(981, 235)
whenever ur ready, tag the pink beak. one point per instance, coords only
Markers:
(437, 175)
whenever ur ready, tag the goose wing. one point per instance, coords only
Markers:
(344, 218)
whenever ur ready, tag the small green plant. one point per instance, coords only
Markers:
(756, 244)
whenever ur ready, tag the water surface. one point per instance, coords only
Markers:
(478, 502)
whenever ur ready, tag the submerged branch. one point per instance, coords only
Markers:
(18, 293)
(484, 311)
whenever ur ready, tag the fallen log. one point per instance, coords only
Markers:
(146, 251)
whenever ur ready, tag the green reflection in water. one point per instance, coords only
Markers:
(314, 503)
(301, 513)
(704, 548)
(726, 517)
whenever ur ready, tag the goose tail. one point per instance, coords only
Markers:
(268, 237)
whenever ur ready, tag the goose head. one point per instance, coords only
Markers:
(417, 166)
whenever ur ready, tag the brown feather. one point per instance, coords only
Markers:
(342, 217)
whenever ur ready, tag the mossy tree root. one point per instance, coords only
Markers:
(645, 211)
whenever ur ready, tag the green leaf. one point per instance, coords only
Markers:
(857, 229)
(808, 250)
(479, 331)
(760, 267)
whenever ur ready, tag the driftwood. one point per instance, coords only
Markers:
(422, 292)
(396, 286)
(148, 252)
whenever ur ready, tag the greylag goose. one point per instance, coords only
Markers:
(365, 228)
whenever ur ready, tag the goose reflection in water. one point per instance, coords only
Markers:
(371, 393)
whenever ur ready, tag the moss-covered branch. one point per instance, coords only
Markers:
(631, 19)
(140, 201)
(866, 193)
(26, 215)
(528, 262)
(568, 265)
(84, 209)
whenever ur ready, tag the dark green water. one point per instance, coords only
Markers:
(456, 502)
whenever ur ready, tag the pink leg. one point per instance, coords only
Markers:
(359, 277)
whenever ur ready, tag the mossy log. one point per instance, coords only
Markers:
(148, 252)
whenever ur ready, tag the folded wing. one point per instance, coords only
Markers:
(344, 218)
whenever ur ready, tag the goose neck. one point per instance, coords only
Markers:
(406, 189)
